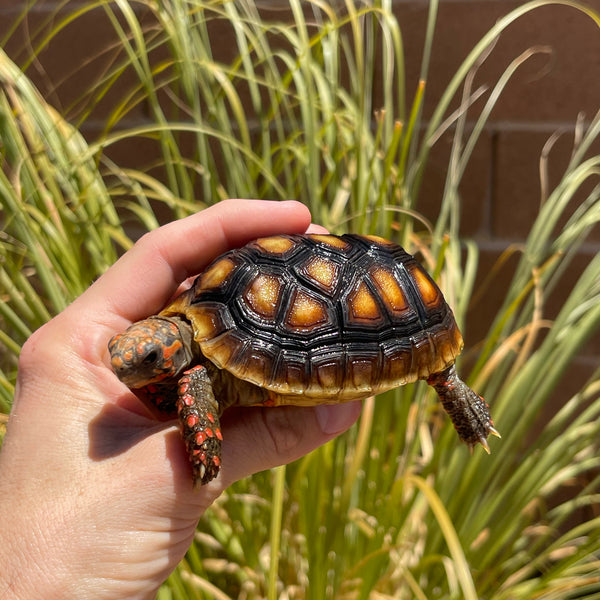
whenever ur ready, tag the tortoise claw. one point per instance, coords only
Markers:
(485, 444)
(481, 440)
(495, 432)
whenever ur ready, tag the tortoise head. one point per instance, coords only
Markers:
(151, 351)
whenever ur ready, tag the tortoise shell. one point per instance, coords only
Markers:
(320, 318)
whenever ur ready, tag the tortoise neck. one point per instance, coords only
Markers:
(186, 332)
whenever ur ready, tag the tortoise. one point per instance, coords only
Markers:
(301, 320)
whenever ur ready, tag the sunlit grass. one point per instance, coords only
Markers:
(396, 507)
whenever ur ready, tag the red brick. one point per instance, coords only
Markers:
(542, 89)
(473, 189)
(517, 190)
(73, 62)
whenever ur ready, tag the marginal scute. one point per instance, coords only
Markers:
(262, 295)
(448, 344)
(294, 378)
(276, 244)
(220, 350)
(209, 320)
(361, 373)
(306, 311)
(423, 354)
(257, 364)
(328, 375)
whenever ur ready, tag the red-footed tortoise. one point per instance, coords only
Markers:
(297, 319)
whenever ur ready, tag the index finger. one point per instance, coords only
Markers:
(143, 279)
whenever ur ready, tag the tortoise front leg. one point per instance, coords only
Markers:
(198, 413)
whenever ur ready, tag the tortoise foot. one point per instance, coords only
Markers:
(198, 414)
(468, 411)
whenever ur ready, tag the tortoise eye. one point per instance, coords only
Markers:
(150, 358)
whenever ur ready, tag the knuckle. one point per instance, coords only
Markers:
(43, 349)
(32, 348)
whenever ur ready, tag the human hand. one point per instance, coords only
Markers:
(96, 496)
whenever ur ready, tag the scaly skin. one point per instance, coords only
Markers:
(468, 411)
(198, 413)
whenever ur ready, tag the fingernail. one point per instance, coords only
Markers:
(335, 418)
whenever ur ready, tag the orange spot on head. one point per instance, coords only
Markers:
(173, 348)
(117, 362)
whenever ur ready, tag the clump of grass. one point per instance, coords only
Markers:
(394, 508)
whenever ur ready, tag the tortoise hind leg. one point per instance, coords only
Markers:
(468, 411)
(198, 413)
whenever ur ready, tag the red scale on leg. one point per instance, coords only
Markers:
(198, 414)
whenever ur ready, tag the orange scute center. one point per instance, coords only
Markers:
(390, 289)
(378, 240)
(323, 272)
(429, 292)
(363, 305)
(217, 274)
(275, 244)
(330, 240)
(306, 312)
(263, 295)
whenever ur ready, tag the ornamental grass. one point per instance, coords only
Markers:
(395, 508)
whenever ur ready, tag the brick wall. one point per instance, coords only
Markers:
(501, 190)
